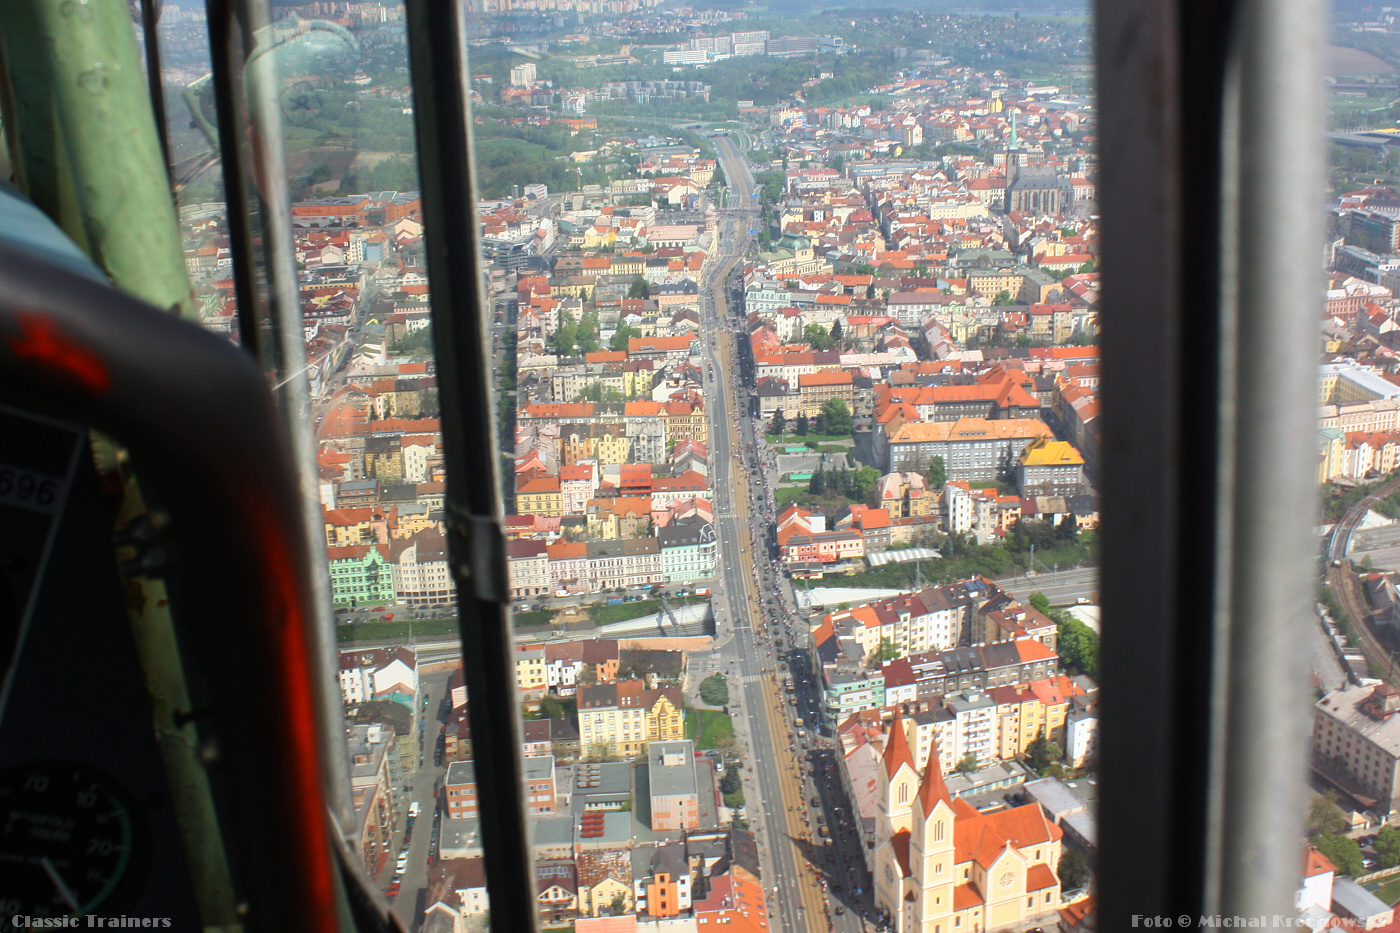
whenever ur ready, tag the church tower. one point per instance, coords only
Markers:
(931, 854)
(897, 785)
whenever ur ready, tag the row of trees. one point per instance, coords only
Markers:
(1327, 823)
(834, 420)
(1077, 644)
(855, 485)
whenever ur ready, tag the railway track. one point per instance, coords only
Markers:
(1345, 583)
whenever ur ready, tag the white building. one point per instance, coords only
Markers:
(975, 728)
(957, 508)
(378, 673)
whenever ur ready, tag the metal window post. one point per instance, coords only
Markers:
(476, 546)
(1211, 155)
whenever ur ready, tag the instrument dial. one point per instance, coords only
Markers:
(72, 841)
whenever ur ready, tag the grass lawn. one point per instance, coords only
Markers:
(1389, 892)
(708, 727)
(392, 631)
(791, 438)
(531, 619)
(986, 561)
(834, 448)
(621, 612)
(787, 495)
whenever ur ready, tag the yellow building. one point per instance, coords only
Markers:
(411, 523)
(944, 867)
(618, 517)
(1024, 713)
(905, 495)
(1332, 445)
(621, 718)
(665, 720)
(685, 421)
(539, 495)
(612, 448)
(529, 670)
(597, 237)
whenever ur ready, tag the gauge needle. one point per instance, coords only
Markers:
(59, 883)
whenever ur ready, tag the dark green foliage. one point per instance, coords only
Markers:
(420, 341)
(1078, 645)
(835, 418)
(818, 337)
(622, 335)
(714, 690)
(1342, 852)
(937, 473)
(1073, 868)
(1387, 846)
(1042, 753)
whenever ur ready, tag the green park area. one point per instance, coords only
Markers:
(709, 728)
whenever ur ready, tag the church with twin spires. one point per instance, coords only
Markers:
(944, 867)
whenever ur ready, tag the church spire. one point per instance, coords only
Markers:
(897, 750)
(933, 789)
(1013, 130)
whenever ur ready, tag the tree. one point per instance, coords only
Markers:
(1042, 752)
(638, 288)
(817, 484)
(1003, 298)
(1325, 818)
(619, 904)
(586, 338)
(968, 764)
(818, 337)
(836, 333)
(1342, 852)
(887, 650)
(1040, 602)
(802, 427)
(836, 418)
(714, 690)
(1078, 645)
(1387, 846)
(732, 788)
(1074, 869)
(779, 422)
(602, 751)
(622, 335)
(565, 341)
(863, 483)
(937, 474)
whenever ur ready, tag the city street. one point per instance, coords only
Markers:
(421, 783)
(776, 777)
